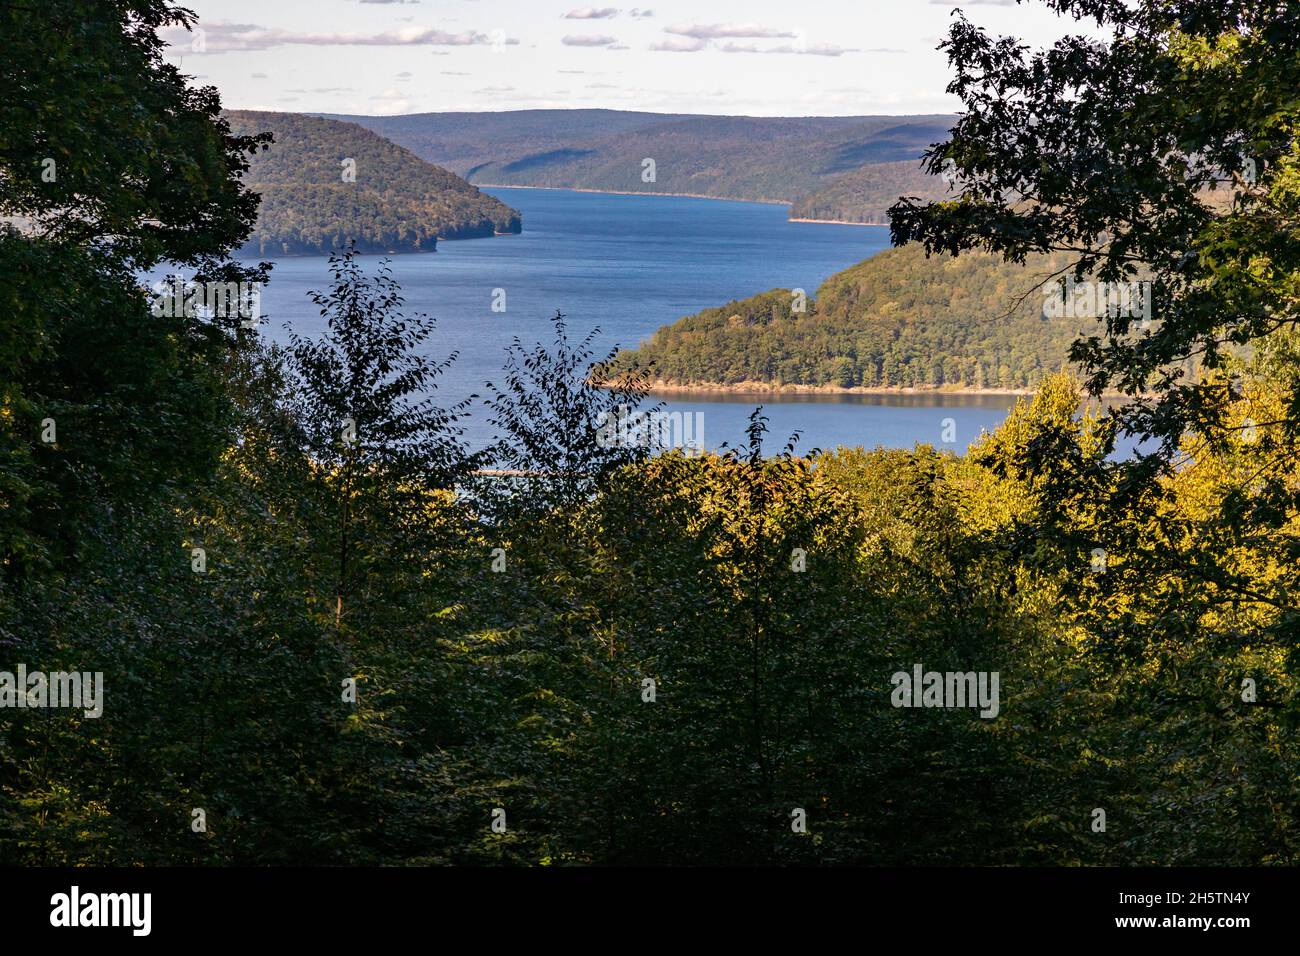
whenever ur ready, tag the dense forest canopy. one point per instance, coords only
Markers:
(325, 184)
(898, 320)
(329, 635)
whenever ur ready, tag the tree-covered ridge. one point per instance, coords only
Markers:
(897, 320)
(385, 199)
(463, 141)
(776, 159)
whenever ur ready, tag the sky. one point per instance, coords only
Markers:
(750, 57)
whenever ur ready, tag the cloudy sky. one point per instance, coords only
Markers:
(755, 57)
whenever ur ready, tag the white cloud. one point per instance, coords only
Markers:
(716, 31)
(391, 103)
(812, 49)
(591, 13)
(223, 36)
(680, 45)
(589, 41)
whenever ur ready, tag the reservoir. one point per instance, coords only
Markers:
(626, 265)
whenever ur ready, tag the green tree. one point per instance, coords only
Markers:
(363, 398)
(111, 165)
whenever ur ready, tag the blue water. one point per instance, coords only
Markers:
(627, 265)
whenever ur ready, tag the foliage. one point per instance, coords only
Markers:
(897, 320)
(391, 202)
(337, 652)
(136, 403)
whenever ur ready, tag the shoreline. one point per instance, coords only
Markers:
(763, 388)
(659, 387)
(841, 222)
(620, 192)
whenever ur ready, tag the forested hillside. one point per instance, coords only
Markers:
(865, 194)
(464, 141)
(320, 630)
(897, 320)
(385, 199)
(779, 159)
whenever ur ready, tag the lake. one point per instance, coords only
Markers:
(627, 265)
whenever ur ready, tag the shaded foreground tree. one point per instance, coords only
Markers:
(1163, 151)
(363, 396)
(109, 165)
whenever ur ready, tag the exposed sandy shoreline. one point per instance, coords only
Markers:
(659, 387)
(787, 388)
(840, 222)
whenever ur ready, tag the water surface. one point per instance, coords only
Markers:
(627, 265)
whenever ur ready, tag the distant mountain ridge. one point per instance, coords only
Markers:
(325, 183)
(834, 165)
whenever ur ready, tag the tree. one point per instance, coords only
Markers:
(111, 164)
(363, 399)
(565, 422)
(1165, 154)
